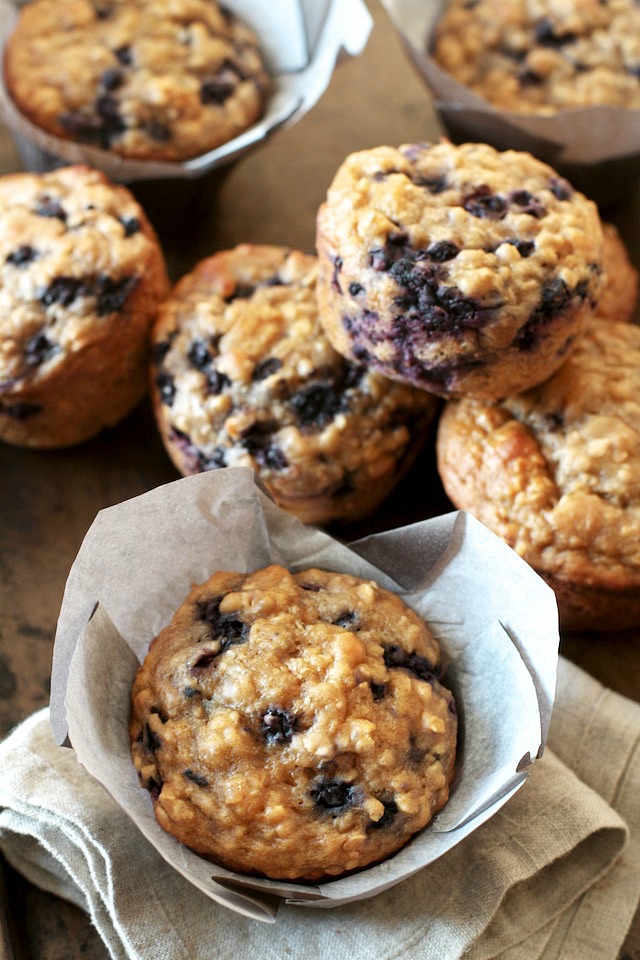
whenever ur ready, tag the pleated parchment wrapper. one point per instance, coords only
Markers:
(495, 618)
(302, 41)
(598, 147)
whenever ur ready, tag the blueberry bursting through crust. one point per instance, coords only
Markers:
(297, 718)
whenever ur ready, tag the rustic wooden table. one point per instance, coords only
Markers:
(49, 499)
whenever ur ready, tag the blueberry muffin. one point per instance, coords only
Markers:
(618, 298)
(244, 376)
(145, 79)
(541, 56)
(555, 472)
(81, 277)
(293, 726)
(460, 269)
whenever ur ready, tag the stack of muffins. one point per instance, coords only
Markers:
(444, 274)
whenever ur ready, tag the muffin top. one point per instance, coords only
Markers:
(555, 471)
(452, 267)
(541, 56)
(293, 725)
(145, 79)
(75, 251)
(244, 376)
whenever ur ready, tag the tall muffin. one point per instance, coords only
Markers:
(293, 725)
(555, 472)
(244, 376)
(460, 269)
(544, 56)
(81, 277)
(145, 79)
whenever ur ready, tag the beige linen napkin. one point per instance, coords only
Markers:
(554, 874)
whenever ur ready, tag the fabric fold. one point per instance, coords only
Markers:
(554, 874)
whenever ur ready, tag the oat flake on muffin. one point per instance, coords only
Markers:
(145, 79)
(293, 725)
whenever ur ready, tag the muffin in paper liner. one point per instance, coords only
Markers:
(495, 620)
(302, 43)
(597, 148)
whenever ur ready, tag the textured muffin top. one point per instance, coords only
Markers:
(439, 259)
(293, 725)
(75, 250)
(541, 56)
(244, 376)
(161, 79)
(556, 470)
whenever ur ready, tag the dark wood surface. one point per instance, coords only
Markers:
(49, 499)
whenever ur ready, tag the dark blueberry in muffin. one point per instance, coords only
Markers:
(47, 206)
(216, 382)
(332, 794)
(124, 56)
(111, 79)
(227, 629)
(529, 78)
(387, 818)
(278, 726)
(561, 188)
(21, 411)
(265, 368)
(39, 349)
(315, 405)
(528, 203)
(131, 226)
(545, 34)
(485, 204)
(420, 667)
(63, 290)
(22, 255)
(166, 385)
(196, 778)
(348, 619)
(217, 90)
(199, 355)
(441, 251)
(378, 690)
(111, 295)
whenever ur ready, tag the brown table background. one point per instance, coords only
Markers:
(48, 500)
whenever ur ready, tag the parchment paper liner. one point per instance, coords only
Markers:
(598, 147)
(495, 618)
(328, 30)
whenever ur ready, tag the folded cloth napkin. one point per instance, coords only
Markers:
(554, 874)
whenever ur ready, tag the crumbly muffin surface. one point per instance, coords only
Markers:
(244, 376)
(618, 299)
(461, 269)
(555, 471)
(146, 79)
(81, 276)
(541, 56)
(293, 726)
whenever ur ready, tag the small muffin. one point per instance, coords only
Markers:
(145, 79)
(541, 56)
(460, 269)
(293, 726)
(555, 472)
(244, 376)
(81, 277)
(618, 298)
